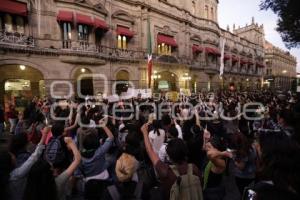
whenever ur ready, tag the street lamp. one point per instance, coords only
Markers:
(22, 67)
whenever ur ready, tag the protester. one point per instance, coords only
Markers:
(12, 116)
(48, 183)
(173, 186)
(190, 149)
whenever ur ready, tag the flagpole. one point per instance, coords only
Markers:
(149, 64)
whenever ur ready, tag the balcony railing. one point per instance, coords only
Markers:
(16, 39)
(67, 44)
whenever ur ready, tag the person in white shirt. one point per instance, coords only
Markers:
(157, 136)
(171, 134)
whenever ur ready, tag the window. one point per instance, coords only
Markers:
(83, 33)
(67, 32)
(11, 23)
(8, 23)
(193, 7)
(122, 42)
(98, 36)
(211, 13)
(20, 24)
(206, 12)
(164, 49)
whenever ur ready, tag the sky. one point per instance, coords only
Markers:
(240, 13)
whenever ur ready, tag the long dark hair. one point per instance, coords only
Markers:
(156, 127)
(280, 160)
(40, 183)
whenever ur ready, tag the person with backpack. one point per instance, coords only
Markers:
(128, 186)
(179, 180)
(56, 149)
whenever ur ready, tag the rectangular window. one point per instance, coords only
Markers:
(122, 42)
(164, 49)
(67, 32)
(20, 24)
(83, 32)
(8, 23)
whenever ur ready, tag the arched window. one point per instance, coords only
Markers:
(212, 13)
(8, 23)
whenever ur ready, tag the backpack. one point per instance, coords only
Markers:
(187, 186)
(115, 195)
(54, 151)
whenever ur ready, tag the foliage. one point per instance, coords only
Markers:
(288, 24)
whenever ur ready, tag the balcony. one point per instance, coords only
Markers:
(82, 50)
(16, 39)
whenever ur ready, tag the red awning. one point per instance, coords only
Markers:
(65, 16)
(84, 19)
(243, 61)
(197, 48)
(234, 58)
(100, 24)
(169, 40)
(260, 65)
(13, 7)
(250, 62)
(125, 31)
(212, 51)
(227, 57)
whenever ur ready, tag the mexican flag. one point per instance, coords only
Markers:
(149, 66)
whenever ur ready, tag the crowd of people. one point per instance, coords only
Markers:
(154, 148)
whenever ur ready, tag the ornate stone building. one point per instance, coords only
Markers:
(43, 41)
(280, 68)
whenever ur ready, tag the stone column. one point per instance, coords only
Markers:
(35, 88)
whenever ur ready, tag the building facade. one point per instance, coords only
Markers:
(281, 67)
(46, 45)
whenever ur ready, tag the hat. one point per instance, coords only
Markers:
(126, 166)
